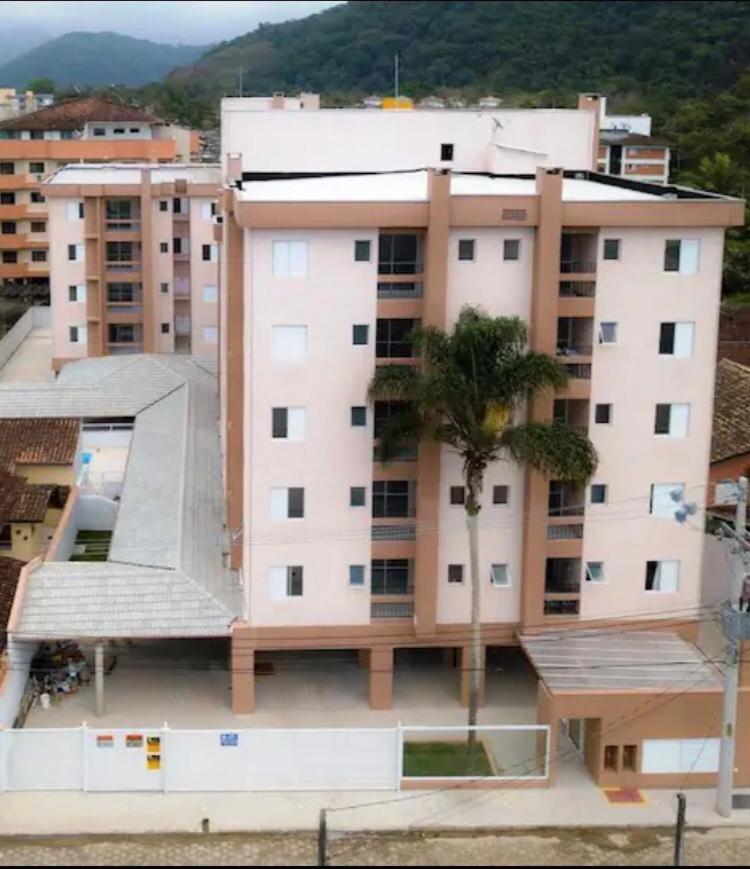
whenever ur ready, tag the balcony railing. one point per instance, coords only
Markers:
(570, 348)
(394, 532)
(562, 606)
(120, 224)
(564, 532)
(578, 371)
(405, 454)
(578, 289)
(391, 610)
(123, 348)
(181, 288)
(565, 509)
(123, 265)
(400, 289)
(577, 266)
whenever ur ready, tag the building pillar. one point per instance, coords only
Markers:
(243, 673)
(381, 677)
(465, 664)
(363, 658)
(99, 678)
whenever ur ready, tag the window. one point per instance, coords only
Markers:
(135, 129)
(288, 423)
(399, 254)
(39, 256)
(77, 293)
(208, 253)
(672, 420)
(662, 576)
(163, 205)
(357, 496)
(612, 248)
(630, 758)
(176, 205)
(455, 574)
(391, 576)
(66, 134)
(598, 493)
(210, 294)
(38, 226)
(8, 227)
(287, 503)
(611, 757)
(511, 249)
(359, 416)
(362, 251)
(466, 248)
(500, 494)
(393, 499)
(121, 292)
(164, 287)
(164, 246)
(289, 258)
(665, 498)
(36, 197)
(289, 343)
(446, 151)
(356, 575)
(211, 334)
(99, 131)
(595, 571)
(499, 576)
(36, 168)
(10, 256)
(608, 333)
(177, 246)
(393, 338)
(676, 339)
(119, 252)
(7, 197)
(457, 496)
(72, 252)
(7, 168)
(73, 334)
(286, 582)
(37, 134)
(360, 334)
(603, 414)
(121, 333)
(682, 256)
(165, 328)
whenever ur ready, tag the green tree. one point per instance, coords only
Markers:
(41, 86)
(472, 385)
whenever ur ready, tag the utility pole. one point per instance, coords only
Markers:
(395, 76)
(736, 628)
(679, 830)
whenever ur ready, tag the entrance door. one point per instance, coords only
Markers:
(615, 159)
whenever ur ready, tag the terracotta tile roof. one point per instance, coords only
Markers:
(75, 114)
(10, 570)
(731, 434)
(21, 501)
(38, 441)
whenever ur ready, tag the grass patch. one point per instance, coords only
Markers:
(95, 543)
(447, 759)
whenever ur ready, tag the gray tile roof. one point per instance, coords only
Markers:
(165, 573)
(625, 660)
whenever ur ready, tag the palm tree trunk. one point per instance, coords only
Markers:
(475, 675)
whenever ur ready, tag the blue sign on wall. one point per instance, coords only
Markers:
(231, 740)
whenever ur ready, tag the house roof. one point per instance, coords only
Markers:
(165, 574)
(731, 428)
(21, 501)
(39, 441)
(10, 571)
(75, 114)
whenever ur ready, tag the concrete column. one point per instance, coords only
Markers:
(243, 674)
(99, 678)
(465, 664)
(381, 677)
(363, 658)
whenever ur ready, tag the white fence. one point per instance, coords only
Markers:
(37, 317)
(256, 759)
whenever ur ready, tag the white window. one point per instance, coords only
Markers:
(676, 339)
(500, 575)
(286, 581)
(206, 211)
(288, 423)
(211, 334)
(75, 210)
(289, 343)
(287, 503)
(210, 293)
(666, 498)
(290, 259)
(608, 333)
(680, 755)
(663, 576)
(77, 293)
(682, 256)
(595, 571)
(672, 420)
(77, 334)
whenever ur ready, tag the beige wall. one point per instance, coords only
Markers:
(64, 273)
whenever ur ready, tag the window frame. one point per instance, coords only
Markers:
(462, 248)
(606, 247)
(506, 573)
(511, 241)
(454, 569)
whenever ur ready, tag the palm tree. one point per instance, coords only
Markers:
(472, 384)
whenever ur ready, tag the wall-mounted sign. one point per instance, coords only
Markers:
(229, 740)
(105, 741)
(134, 740)
(153, 761)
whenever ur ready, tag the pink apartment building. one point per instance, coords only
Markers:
(133, 261)
(344, 228)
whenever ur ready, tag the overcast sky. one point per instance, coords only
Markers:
(196, 23)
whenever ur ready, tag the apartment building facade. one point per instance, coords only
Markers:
(34, 145)
(133, 261)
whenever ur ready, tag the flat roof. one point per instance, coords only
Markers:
(625, 660)
(130, 173)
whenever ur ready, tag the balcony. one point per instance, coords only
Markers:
(393, 532)
(562, 586)
(565, 532)
(390, 609)
(15, 182)
(578, 253)
(565, 499)
(404, 454)
(400, 289)
(577, 289)
(393, 338)
(573, 412)
(182, 288)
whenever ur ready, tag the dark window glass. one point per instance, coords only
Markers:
(391, 576)
(279, 422)
(455, 573)
(36, 168)
(177, 206)
(36, 197)
(611, 248)
(39, 256)
(661, 424)
(165, 328)
(7, 168)
(666, 339)
(206, 253)
(120, 252)
(357, 496)
(10, 256)
(8, 227)
(362, 251)
(602, 413)
(672, 256)
(294, 581)
(511, 249)
(360, 334)
(500, 494)
(296, 503)
(458, 495)
(177, 245)
(393, 339)
(652, 568)
(446, 151)
(399, 254)
(392, 499)
(359, 416)
(164, 246)
(466, 248)
(163, 205)
(71, 252)
(38, 226)
(7, 198)
(121, 333)
(598, 493)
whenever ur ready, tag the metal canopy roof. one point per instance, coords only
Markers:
(619, 660)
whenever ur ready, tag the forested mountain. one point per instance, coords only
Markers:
(97, 59)
(670, 48)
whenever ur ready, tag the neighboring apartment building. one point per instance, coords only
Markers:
(14, 103)
(325, 275)
(133, 261)
(730, 445)
(626, 146)
(33, 145)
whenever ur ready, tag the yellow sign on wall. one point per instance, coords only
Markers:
(397, 103)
